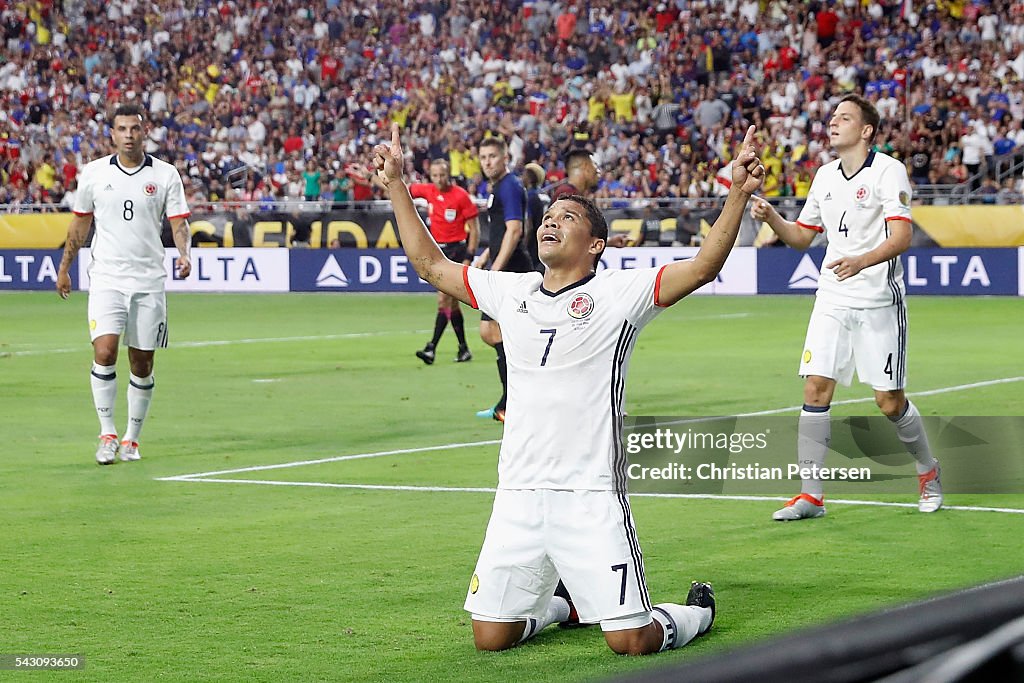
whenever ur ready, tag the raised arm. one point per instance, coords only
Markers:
(419, 246)
(683, 277)
(790, 232)
(78, 231)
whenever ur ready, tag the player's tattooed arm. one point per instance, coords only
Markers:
(182, 240)
(78, 231)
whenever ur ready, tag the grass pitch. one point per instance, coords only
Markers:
(187, 580)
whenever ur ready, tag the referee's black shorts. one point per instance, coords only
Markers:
(455, 251)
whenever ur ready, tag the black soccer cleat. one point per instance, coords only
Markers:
(702, 595)
(464, 355)
(426, 354)
(574, 619)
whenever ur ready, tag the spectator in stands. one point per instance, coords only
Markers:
(341, 187)
(245, 96)
(311, 177)
(920, 162)
(975, 145)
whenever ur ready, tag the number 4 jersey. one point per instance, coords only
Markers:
(568, 355)
(128, 207)
(853, 213)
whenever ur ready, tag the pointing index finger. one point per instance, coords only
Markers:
(395, 142)
(748, 139)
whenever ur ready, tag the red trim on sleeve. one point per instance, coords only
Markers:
(184, 215)
(469, 290)
(898, 218)
(657, 287)
(816, 228)
(725, 182)
(86, 213)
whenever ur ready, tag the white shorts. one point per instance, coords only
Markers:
(537, 536)
(140, 316)
(874, 340)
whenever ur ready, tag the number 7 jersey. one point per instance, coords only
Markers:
(128, 207)
(853, 213)
(568, 354)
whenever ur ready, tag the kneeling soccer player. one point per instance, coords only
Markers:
(561, 509)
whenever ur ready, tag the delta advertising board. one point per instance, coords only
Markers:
(738, 276)
(925, 271)
(217, 270)
(30, 268)
(748, 271)
(389, 270)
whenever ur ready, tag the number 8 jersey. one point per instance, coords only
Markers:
(568, 354)
(852, 212)
(128, 207)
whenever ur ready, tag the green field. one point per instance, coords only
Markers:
(190, 580)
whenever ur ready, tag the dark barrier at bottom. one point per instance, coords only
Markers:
(970, 636)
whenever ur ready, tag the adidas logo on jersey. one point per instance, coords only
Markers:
(108, 188)
(522, 307)
(828, 196)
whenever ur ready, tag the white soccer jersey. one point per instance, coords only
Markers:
(568, 355)
(852, 212)
(128, 208)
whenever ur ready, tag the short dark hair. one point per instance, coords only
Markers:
(598, 224)
(867, 112)
(576, 157)
(495, 141)
(128, 110)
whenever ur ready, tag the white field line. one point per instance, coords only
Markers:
(209, 477)
(929, 392)
(275, 340)
(459, 489)
(337, 458)
(470, 444)
(228, 342)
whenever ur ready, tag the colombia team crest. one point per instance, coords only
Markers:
(581, 305)
(149, 189)
(862, 193)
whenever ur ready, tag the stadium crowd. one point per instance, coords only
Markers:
(284, 99)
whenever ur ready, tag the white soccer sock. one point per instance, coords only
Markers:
(104, 393)
(910, 430)
(558, 610)
(814, 436)
(140, 393)
(680, 623)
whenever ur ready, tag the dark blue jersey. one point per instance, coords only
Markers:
(507, 202)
